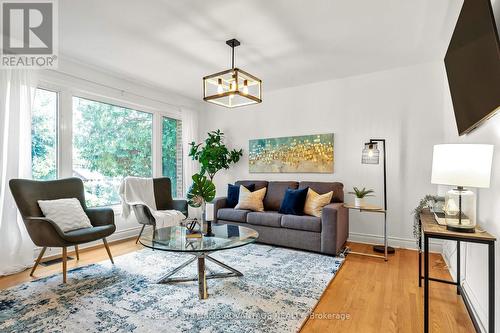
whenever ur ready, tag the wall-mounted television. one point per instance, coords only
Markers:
(473, 65)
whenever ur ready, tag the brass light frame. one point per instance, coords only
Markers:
(236, 75)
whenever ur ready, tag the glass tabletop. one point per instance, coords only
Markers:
(174, 239)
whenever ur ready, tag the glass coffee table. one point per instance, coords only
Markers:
(173, 239)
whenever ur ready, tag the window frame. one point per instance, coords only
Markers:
(66, 89)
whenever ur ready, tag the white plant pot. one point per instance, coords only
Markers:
(358, 202)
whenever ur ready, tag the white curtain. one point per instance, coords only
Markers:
(17, 89)
(189, 134)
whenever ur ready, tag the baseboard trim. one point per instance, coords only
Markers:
(397, 242)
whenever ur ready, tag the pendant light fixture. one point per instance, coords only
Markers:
(233, 87)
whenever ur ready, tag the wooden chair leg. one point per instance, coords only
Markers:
(107, 249)
(76, 252)
(38, 260)
(140, 233)
(64, 259)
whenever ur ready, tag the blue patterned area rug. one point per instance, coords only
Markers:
(279, 289)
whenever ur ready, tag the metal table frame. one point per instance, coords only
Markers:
(427, 278)
(202, 275)
(200, 256)
(372, 210)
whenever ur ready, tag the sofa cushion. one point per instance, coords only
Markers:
(231, 214)
(269, 219)
(233, 194)
(258, 183)
(325, 187)
(307, 223)
(85, 235)
(251, 200)
(294, 201)
(315, 202)
(276, 194)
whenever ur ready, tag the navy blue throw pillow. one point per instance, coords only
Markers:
(294, 202)
(233, 194)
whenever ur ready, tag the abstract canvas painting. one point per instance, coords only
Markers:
(293, 154)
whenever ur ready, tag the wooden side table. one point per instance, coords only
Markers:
(429, 228)
(372, 209)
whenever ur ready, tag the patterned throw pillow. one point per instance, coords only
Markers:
(315, 202)
(251, 200)
(68, 213)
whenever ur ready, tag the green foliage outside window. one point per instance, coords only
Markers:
(109, 143)
(169, 152)
(43, 135)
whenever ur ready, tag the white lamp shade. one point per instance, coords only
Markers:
(467, 165)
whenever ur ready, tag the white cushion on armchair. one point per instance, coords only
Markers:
(68, 213)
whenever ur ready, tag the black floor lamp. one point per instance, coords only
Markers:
(371, 155)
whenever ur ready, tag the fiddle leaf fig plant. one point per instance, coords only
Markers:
(202, 191)
(362, 193)
(214, 155)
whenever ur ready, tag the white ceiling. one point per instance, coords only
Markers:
(173, 44)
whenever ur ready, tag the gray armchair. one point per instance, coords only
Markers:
(162, 188)
(44, 232)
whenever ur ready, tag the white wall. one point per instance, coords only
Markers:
(475, 256)
(402, 105)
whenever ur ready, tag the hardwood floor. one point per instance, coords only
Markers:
(370, 294)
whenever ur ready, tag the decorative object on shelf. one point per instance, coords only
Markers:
(201, 192)
(307, 153)
(361, 195)
(429, 201)
(194, 229)
(214, 156)
(371, 155)
(191, 224)
(233, 87)
(461, 165)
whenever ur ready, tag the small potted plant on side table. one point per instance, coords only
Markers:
(359, 200)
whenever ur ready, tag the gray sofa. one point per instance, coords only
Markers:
(327, 234)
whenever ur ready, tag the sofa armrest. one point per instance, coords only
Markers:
(334, 228)
(181, 205)
(101, 216)
(219, 203)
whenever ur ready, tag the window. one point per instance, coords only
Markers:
(109, 143)
(172, 153)
(44, 135)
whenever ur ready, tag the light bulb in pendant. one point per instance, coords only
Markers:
(245, 87)
(220, 89)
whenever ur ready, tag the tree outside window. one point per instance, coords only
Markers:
(44, 135)
(109, 143)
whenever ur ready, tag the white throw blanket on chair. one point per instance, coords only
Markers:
(136, 190)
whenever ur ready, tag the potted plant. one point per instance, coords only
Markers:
(201, 191)
(361, 195)
(214, 155)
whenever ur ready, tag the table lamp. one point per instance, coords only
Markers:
(461, 165)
